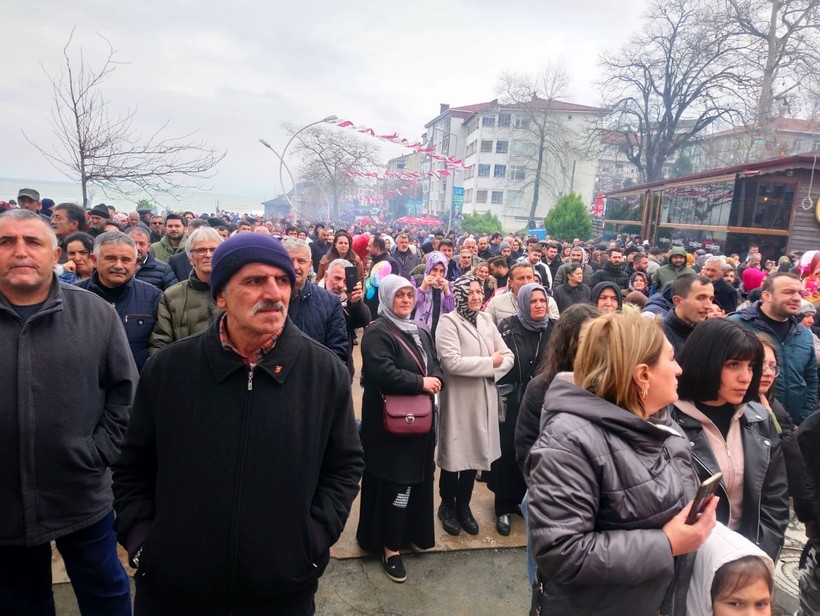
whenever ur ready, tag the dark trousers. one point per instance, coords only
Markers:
(90, 557)
(301, 603)
(456, 488)
(394, 512)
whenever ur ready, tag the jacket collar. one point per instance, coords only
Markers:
(753, 412)
(53, 302)
(277, 364)
(755, 313)
(196, 284)
(676, 323)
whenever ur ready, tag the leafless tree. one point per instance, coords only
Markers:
(97, 147)
(326, 153)
(678, 77)
(783, 52)
(551, 146)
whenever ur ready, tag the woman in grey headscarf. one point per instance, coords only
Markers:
(397, 487)
(474, 358)
(526, 334)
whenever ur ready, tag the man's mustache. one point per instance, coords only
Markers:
(267, 306)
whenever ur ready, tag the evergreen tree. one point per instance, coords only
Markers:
(569, 218)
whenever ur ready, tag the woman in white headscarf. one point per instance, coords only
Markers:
(398, 357)
(474, 358)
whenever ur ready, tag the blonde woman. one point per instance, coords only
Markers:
(609, 484)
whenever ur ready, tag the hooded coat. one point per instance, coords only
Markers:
(722, 547)
(668, 273)
(602, 484)
(599, 288)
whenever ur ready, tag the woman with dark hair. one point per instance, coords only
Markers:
(341, 248)
(526, 335)
(398, 357)
(731, 434)
(79, 266)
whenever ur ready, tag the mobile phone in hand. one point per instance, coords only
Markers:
(351, 277)
(704, 494)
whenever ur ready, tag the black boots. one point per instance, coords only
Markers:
(449, 520)
(465, 517)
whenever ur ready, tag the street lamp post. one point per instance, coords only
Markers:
(281, 158)
(448, 204)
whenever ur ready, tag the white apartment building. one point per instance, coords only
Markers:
(499, 145)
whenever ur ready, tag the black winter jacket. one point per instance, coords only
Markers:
(602, 484)
(241, 479)
(610, 273)
(765, 512)
(318, 313)
(808, 436)
(677, 332)
(60, 425)
(157, 273)
(137, 309)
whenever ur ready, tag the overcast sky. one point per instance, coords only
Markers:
(236, 70)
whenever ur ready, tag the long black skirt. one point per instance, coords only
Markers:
(418, 528)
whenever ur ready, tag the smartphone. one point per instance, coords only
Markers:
(351, 277)
(704, 494)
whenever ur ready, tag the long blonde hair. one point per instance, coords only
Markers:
(611, 347)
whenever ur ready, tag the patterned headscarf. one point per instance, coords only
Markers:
(524, 297)
(461, 290)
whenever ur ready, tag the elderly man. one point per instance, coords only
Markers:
(66, 219)
(315, 311)
(98, 217)
(404, 257)
(504, 303)
(157, 228)
(60, 428)
(187, 307)
(234, 482)
(725, 294)
(356, 312)
(149, 268)
(115, 257)
(29, 199)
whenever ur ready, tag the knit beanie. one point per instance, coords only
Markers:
(504, 245)
(243, 248)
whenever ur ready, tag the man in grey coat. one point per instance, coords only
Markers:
(68, 384)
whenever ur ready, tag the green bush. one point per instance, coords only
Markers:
(480, 223)
(569, 218)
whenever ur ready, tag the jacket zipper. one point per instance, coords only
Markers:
(233, 561)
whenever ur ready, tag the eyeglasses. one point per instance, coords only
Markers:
(773, 368)
(201, 252)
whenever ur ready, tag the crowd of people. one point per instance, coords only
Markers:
(206, 423)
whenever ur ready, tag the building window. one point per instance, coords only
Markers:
(472, 126)
(481, 196)
(498, 197)
(501, 147)
(500, 171)
(470, 172)
(470, 149)
(522, 147)
(522, 121)
(518, 172)
(503, 119)
(486, 146)
(484, 171)
(468, 195)
(488, 121)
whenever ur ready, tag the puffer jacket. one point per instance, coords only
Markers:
(602, 484)
(137, 309)
(796, 387)
(318, 313)
(184, 309)
(156, 273)
(765, 490)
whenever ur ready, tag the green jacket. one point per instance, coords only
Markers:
(668, 273)
(163, 250)
(184, 309)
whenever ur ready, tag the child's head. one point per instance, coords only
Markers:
(743, 586)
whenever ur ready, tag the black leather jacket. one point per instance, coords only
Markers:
(765, 490)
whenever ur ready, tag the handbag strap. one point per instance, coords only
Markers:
(413, 355)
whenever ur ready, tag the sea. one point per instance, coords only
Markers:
(197, 201)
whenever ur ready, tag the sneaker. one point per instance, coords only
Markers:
(394, 568)
(449, 520)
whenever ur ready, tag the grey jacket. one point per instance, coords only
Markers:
(602, 483)
(68, 384)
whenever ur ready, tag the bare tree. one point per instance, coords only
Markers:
(326, 153)
(678, 77)
(96, 147)
(551, 146)
(783, 53)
